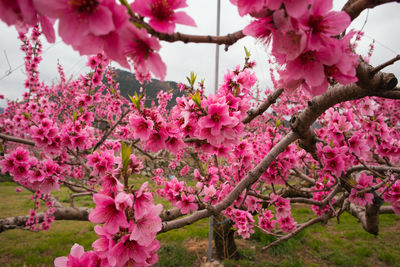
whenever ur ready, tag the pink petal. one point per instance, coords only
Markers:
(183, 18)
(157, 66)
(101, 22)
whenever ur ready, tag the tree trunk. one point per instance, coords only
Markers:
(224, 238)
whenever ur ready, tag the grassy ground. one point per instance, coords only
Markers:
(344, 244)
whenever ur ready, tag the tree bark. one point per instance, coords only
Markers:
(224, 238)
(61, 213)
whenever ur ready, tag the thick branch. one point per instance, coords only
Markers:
(14, 139)
(61, 213)
(171, 214)
(298, 173)
(355, 7)
(358, 168)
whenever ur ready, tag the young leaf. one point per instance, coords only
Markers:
(125, 155)
(196, 99)
(247, 53)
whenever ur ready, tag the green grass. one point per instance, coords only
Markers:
(343, 244)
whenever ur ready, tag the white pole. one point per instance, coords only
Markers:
(211, 224)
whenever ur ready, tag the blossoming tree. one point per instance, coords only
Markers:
(339, 152)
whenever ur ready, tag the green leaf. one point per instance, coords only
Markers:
(247, 53)
(112, 90)
(1, 148)
(236, 90)
(192, 78)
(136, 100)
(278, 123)
(28, 116)
(125, 155)
(75, 115)
(196, 99)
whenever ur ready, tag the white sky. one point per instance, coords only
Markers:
(383, 24)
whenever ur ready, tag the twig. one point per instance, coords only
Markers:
(384, 65)
(81, 186)
(251, 114)
(295, 232)
(109, 131)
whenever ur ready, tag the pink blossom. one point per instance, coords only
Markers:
(186, 204)
(142, 49)
(294, 8)
(246, 7)
(162, 14)
(145, 229)
(23, 14)
(106, 212)
(185, 170)
(127, 249)
(321, 23)
(156, 141)
(287, 224)
(142, 128)
(123, 200)
(78, 257)
(143, 201)
(78, 18)
(265, 222)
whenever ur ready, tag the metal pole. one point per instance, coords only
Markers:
(211, 225)
(217, 46)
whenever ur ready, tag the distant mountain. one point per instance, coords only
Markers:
(128, 85)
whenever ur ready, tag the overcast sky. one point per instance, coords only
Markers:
(383, 25)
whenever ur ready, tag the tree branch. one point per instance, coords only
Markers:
(61, 213)
(355, 7)
(10, 138)
(253, 113)
(295, 232)
(384, 65)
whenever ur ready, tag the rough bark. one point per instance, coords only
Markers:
(61, 213)
(224, 238)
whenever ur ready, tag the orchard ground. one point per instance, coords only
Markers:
(337, 244)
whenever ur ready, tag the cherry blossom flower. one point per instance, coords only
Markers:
(107, 212)
(142, 49)
(78, 18)
(162, 14)
(185, 204)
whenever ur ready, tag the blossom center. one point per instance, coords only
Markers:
(83, 5)
(215, 117)
(161, 9)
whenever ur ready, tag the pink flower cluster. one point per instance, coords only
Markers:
(30, 172)
(128, 235)
(362, 198)
(393, 195)
(244, 221)
(303, 35)
(179, 195)
(91, 27)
